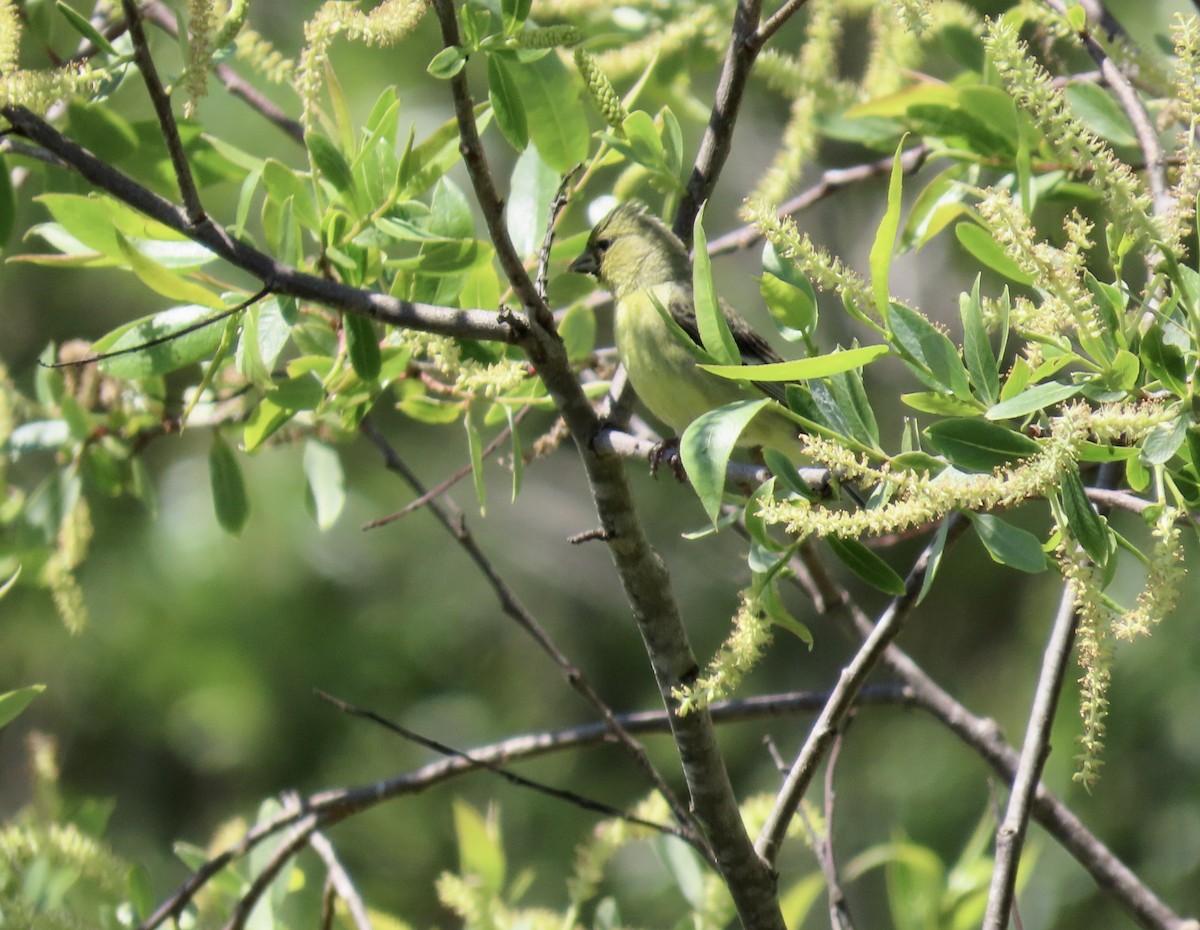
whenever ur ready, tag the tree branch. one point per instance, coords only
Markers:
(1011, 834)
(166, 117)
(278, 277)
(984, 737)
(718, 136)
(510, 604)
(642, 574)
(823, 731)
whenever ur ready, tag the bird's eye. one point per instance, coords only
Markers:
(603, 244)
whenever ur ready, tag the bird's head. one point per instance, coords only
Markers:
(631, 249)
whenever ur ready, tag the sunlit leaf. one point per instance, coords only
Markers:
(706, 445)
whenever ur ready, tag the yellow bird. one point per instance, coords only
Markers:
(640, 260)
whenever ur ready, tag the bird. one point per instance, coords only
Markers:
(639, 260)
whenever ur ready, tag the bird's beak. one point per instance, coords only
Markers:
(585, 264)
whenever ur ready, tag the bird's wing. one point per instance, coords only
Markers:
(753, 348)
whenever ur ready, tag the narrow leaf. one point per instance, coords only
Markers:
(977, 445)
(363, 345)
(821, 366)
(714, 330)
(12, 703)
(230, 502)
(1032, 399)
(1009, 545)
(706, 445)
(880, 259)
(1086, 525)
(867, 565)
(326, 482)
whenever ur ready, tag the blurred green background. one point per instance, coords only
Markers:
(189, 697)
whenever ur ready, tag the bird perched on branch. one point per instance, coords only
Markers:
(640, 261)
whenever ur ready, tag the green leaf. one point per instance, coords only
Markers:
(1093, 104)
(8, 204)
(171, 355)
(578, 332)
(1086, 525)
(1164, 361)
(880, 259)
(13, 703)
(330, 161)
(644, 141)
(977, 348)
(362, 343)
(784, 470)
(793, 308)
(710, 320)
(326, 483)
(534, 184)
(81, 25)
(755, 525)
(514, 13)
(867, 565)
(946, 405)
(303, 392)
(506, 103)
(446, 63)
(1009, 545)
(979, 242)
(230, 502)
(933, 352)
(977, 445)
(265, 419)
(706, 445)
(936, 207)
(475, 447)
(557, 118)
(936, 550)
(1033, 399)
(802, 369)
(140, 890)
(850, 395)
(480, 854)
(163, 281)
(1164, 441)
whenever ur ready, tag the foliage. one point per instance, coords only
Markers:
(355, 277)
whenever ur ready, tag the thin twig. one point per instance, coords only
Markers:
(984, 737)
(327, 808)
(278, 277)
(770, 838)
(776, 21)
(166, 117)
(1135, 110)
(237, 85)
(557, 205)
(561, 794)
(831, 181)
(340, 881)
(512, 606)
(718, 135)
(301, 835)
(443, 486)
(1011, 833)
(839, 910)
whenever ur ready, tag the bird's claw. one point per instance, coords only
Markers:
(667, 451)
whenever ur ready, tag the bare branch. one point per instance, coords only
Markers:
(512, 606)
(832, 181)
(1011, 833)
(166, 117)
(984, 737)
(842, 699)
(718, 136)
(340, 880)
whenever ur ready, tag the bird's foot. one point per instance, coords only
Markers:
(667, 451)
